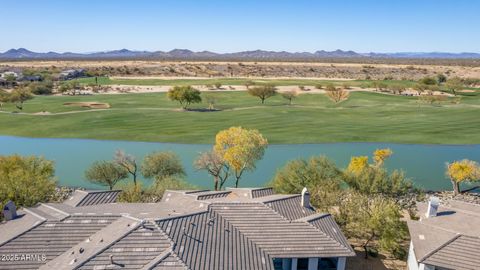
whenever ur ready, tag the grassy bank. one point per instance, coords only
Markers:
(313, 118)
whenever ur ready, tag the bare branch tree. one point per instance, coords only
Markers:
(214, 164)
(128, 162)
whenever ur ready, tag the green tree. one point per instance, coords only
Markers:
(69, 87)
(10, 79)
(290, 96)
(374, 219)
(161, 165)
(441, 78)
(453, 85)
(41, 88)
(105, 173)
(319, 174)
(215, 165)
(19, 96)
(240, 148)
(26, 180)
(429, 81)
(263, 92)
(4, 98)
(374, 179)
(185, 95)
(218, 85)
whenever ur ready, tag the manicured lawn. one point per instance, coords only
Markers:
(313, 118)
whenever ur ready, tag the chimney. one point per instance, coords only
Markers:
(432, 207)
(305, 198)
(9, 211)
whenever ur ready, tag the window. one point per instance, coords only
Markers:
(327, 264)
(302, 264)
(277, 264)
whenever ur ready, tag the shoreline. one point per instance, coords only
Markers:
(205, 144)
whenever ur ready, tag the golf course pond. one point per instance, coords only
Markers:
(423, 164)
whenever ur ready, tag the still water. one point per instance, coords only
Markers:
(424, 164)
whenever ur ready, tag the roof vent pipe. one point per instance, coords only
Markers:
(305, 198)
(9, 211)
(432, 209)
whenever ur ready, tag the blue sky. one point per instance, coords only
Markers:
(228, 26)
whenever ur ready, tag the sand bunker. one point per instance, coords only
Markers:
(91, 105)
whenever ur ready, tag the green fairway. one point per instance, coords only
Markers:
(365, 117)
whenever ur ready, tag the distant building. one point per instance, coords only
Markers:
(6, 74)
(240, 228)
(70, 74)
(31, 78)
(446, 237)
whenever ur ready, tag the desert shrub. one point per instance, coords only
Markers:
(130, 192)
(428, 81)
(26, 180)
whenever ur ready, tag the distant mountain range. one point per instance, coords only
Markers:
(182, 54)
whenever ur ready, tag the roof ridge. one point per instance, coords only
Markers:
(439, 248)
(34, 214)
(313, 217)
(56, 209)
(287, 196)
(38, 223)
(435, 227)
(266, 207)
(158, 259)
(182, 215)
(275, 211)
(102, 249)
(248, 239)
(328, 236)
(100, 191)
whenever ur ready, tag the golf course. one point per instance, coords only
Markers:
(311, 118)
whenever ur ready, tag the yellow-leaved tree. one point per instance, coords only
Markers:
(380, 155)
(358, 164)
(462, 171)
(240, 148)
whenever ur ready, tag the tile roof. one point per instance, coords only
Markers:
(170, 262)
(276, 235)
(51, 239)
(252, 193)
(15, 227)
(187, 230)
(446, 240)
(460, 253)
(290, 207)
(262, 192)
(133, 251)
(86, 198)
(207, 241)
(99, 198)
(207, 194)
